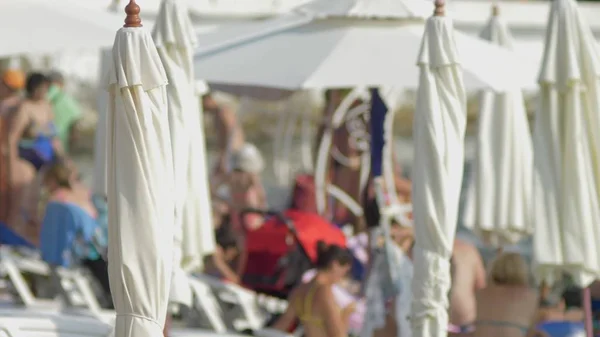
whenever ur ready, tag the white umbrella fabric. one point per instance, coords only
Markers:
(100, 147)
(167, 30)
(439, 128)
(373, 9)
(333, 51)
(566, 146)
(47, 26)
(175, 39)
(140, 183)
(499, 202)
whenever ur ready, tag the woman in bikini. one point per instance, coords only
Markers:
(33, 133)
(314, 304)
(507, 307)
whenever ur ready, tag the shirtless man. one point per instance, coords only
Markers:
(229, 133)
(469, 276)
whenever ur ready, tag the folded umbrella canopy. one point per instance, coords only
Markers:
(566, 146)
(140, 183)
(172, 39)
(330, 51)
(175, 39)
(439, 128)
(499, 195)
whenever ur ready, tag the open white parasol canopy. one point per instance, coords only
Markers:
(140, 183)
(175, 39)
(39, 26)
(439, 129)
(566, 146)
(373, 9)
(499, 200)
(331, 52)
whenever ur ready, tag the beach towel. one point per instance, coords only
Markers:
(563, 329)
(11, 238)
(100, 238)
(66, 235)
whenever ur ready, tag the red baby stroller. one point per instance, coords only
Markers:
(279, 252)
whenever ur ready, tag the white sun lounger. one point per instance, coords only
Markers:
(26, 322)
(249, 311)
(75, 286)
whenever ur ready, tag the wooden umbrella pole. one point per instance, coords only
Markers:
(587, 309)
(133, 15)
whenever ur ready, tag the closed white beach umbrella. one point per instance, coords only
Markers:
(179, 95)
(140, 183)
(499, 204)
(175, 39)
(565, 141)
(438, 131)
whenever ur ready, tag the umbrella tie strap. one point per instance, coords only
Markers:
(141, 317)
(430, 287)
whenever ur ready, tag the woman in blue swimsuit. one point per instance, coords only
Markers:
(34, 130)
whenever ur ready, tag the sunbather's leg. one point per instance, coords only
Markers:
(99, 270)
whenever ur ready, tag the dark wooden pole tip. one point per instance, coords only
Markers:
(439, 8)
(495, 10)
(133, 15)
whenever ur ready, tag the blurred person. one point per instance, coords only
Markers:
(469, 277)
(388, 291)
(566, 307)
(314, 304)
(20, 173)
(220, 212)
(32, 132)
(230, 136)
(507, 306)
(67, 112)
(220, 263)
(246, 191)
(245, 187)
(62, 189)
(11, 84)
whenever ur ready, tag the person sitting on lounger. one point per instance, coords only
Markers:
(70, 209)
(220, 263)
(507, 307)
(314, 304)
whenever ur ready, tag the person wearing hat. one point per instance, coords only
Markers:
(245, 187)
(11, 83)
(246, 191)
